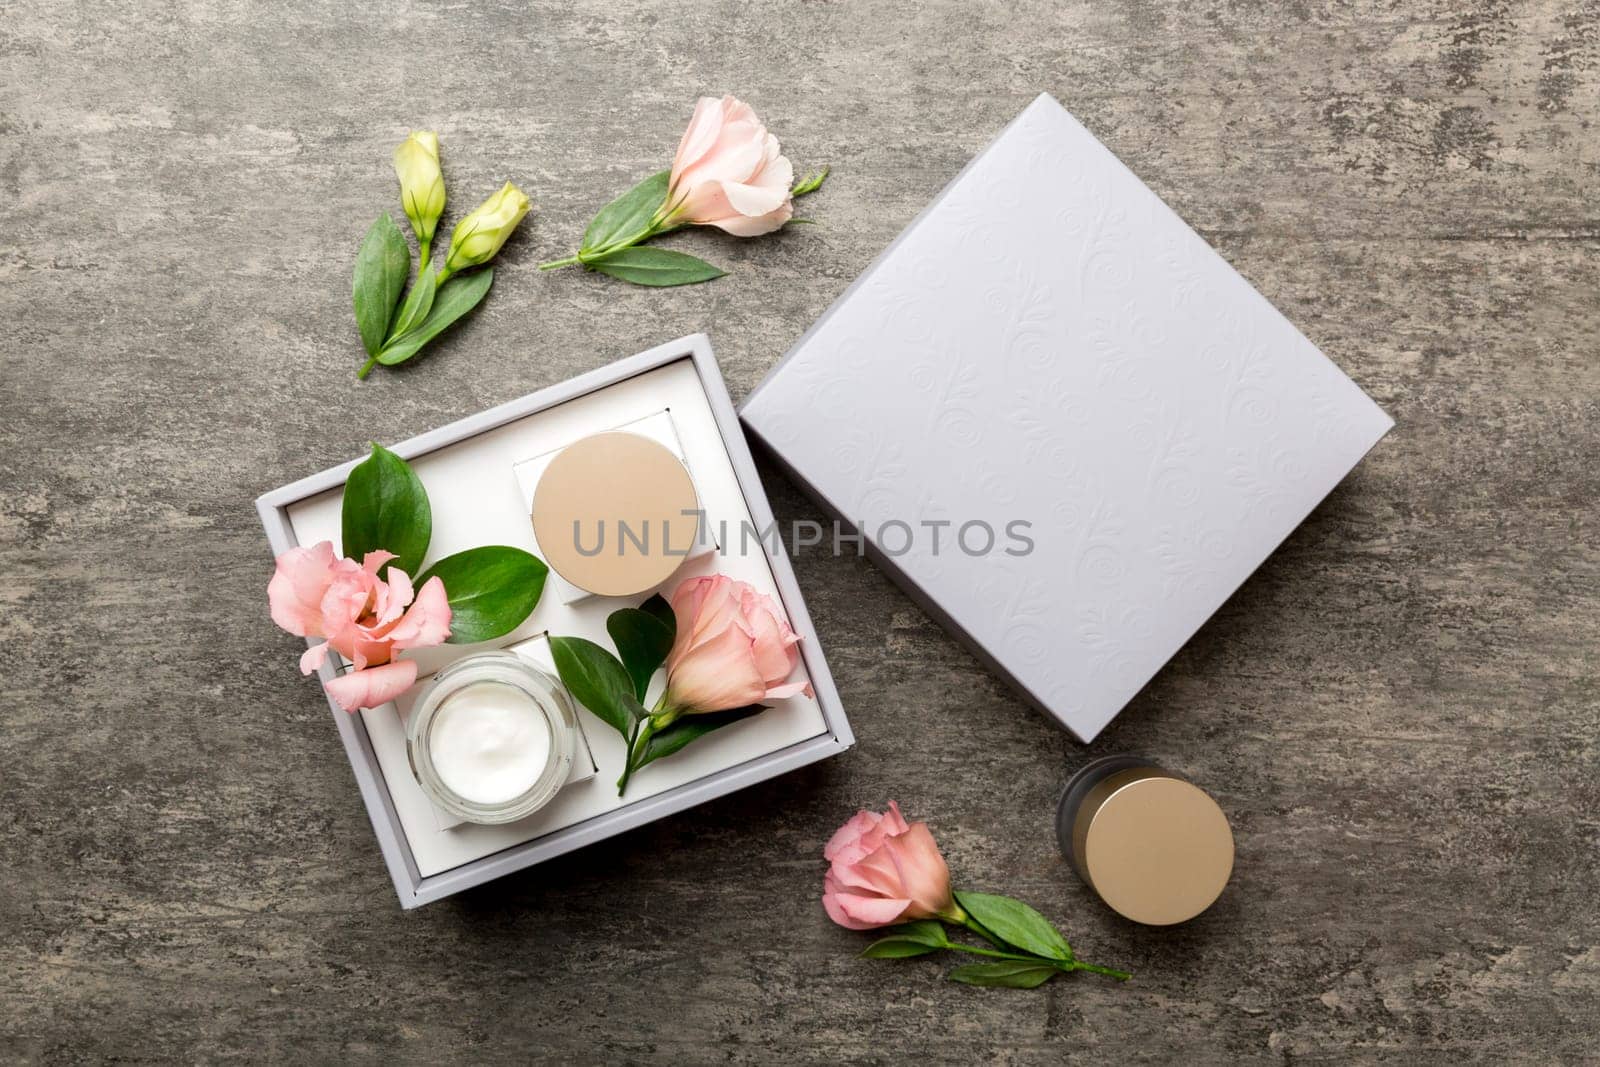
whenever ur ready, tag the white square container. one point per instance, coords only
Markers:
(467, 468)
(1049, 343)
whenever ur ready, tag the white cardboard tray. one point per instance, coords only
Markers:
(467, 469)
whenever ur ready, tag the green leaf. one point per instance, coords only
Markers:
(692, 728)
(909, 939)
(643, 641)
(417, 304)
(1011, 974)
(660, 267)
(597, 681)
(657, 605)
(385, 506)
(454, 299)
(491, 589)
(629, 215)
(381, 269)
(811, 184)
(896, 948)
(923, 931)
(1016, 924)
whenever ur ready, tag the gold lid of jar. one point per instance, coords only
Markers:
(615, 514)
(1157, 849)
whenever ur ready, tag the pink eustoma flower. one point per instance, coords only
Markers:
(729, 172)
(366, 619)
(733, 648)
(884, 870)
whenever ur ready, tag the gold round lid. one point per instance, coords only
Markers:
(1158, 850)
(615, 514)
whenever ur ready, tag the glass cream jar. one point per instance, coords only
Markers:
(491, 738)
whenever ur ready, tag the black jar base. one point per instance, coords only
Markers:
(1077, 788)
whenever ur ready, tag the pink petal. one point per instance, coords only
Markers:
(788, 689)
(766, 194)
(357, 645)
(870, 912)
(855, 851)
(392, 597)
(894, 820)
(373, 561)
(373, 687)
(856, 912)
(874, 873)
(736, 110)
(299, 580)
(312, 657)
(345, 600)
(770, 636)
(921, 870)
(704, 126)
(703, 608)
(854, 827)
(427, 622)
(717, 674)
(743, 226)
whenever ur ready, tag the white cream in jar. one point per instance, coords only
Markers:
(491, 738)
(490, 742)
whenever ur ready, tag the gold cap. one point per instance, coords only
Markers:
(1157, 849)
(615, 514)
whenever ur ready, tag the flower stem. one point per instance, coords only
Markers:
(636, 743)
(366, 368)
(1064, 965)
(557, 264)
(976, 951)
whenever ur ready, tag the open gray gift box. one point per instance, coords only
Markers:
(469, 470)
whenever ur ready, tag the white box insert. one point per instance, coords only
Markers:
(467, 470)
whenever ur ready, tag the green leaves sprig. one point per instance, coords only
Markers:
(612, 245)
(491, 589)
(614, 688)
(1027, 950)
(391, 331)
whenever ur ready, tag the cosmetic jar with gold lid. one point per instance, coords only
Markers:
(1152, 845)
(491, 738)
(615, 513)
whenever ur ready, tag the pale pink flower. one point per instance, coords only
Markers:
(366, 619)
(729, 172)
(733, 648)
(884, 871)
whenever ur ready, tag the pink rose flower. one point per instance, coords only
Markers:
(729, 172)
(885, 871)
(314, 593)
(733, 648)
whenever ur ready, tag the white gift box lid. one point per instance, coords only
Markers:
(1048, 343)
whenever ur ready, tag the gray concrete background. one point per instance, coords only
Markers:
(1399, 711)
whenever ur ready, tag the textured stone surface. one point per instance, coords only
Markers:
(1399, 710)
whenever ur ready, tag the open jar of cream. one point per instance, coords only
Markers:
(491, 738)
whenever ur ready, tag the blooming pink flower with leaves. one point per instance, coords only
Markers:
(728, 172)
(886, 872)
(363, 617)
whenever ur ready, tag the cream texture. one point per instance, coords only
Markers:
(489, 742)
